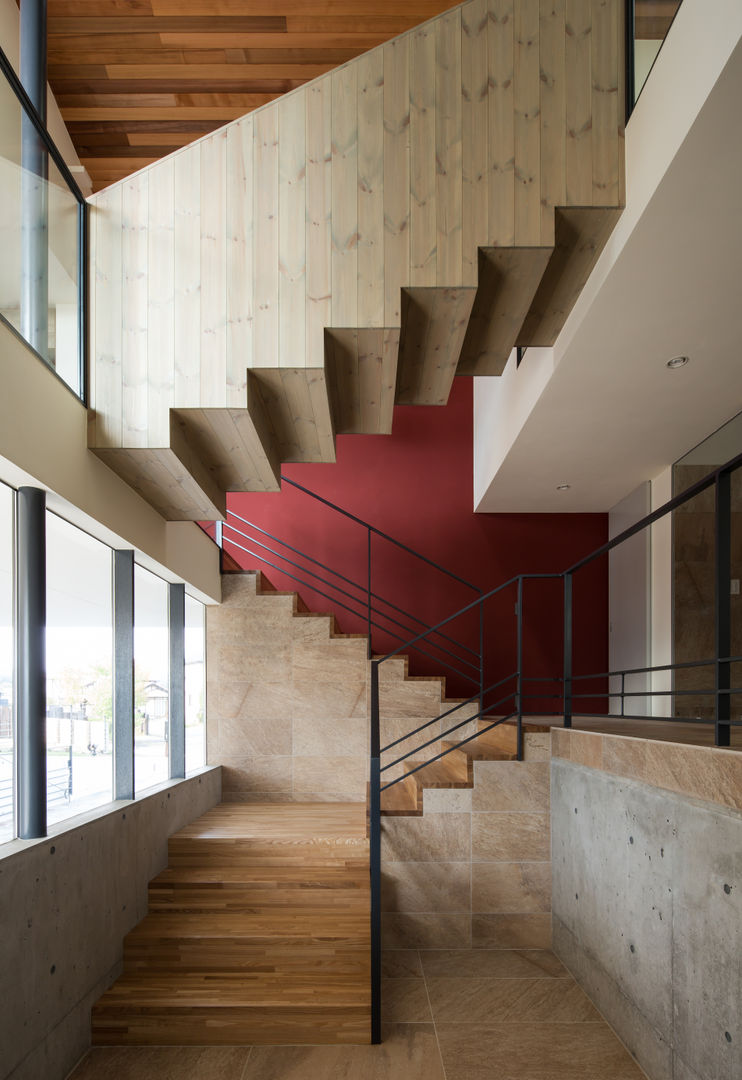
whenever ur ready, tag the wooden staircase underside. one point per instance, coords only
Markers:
(406, 218)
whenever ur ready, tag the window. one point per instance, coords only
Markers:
(151, 679)
(195, 698)
(79, 659)
(7, 762)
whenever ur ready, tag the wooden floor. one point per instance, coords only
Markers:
(257, 932)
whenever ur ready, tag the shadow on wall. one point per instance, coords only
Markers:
(416, 485)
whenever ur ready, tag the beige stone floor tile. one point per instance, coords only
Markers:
(325, 736)
(408, 1052)
(425, 931)
(432, 838)
(492, 963)
(249, 699)
(511, 887)
(401, 964)
(516, 1001)
(257, 774)
(405, 1001)
(534, 1052)
(530, 931)
(511, 785)
(163, 1063)
(264, 737)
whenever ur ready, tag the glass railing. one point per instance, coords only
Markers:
(648, 22)
(42, 238)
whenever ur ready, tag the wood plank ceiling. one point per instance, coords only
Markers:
(135, 79)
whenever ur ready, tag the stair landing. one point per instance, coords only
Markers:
(258, 932)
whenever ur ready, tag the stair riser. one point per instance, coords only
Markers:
(236, 900)
(231, 853)
(225, 1026)
(348, 961)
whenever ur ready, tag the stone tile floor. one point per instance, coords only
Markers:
(449, 1015)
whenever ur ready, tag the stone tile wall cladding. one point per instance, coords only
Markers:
(288, 719)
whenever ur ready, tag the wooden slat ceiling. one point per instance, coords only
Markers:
(137, 78)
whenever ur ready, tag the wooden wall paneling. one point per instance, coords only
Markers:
(161, 313)
(134, 301)
(265, 216)
(213, 164)
(292, 254)
(578, 92)
(500, 120)
(473, 135)
(319, 217)
(526, 94)
(448, 148)
(107, 335)
(423, 225)
(240, 255)
(345, 196)
(552, 35)
(396, 177)
(606, 107)
(371, 189)
(187, 285)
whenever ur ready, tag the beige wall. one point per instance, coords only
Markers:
(43, 441)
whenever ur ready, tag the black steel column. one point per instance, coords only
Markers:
(567, 674)
(176, 723)
(123, 674)
(723, 607)
(519, 672)
(31, 661)
(34, 187)
(375, 855)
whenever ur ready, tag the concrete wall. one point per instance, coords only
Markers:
(43, 441)
(647, 895)
(66, 903)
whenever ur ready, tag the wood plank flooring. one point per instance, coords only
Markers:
(257, 932)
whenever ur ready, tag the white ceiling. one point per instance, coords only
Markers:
(612, 415)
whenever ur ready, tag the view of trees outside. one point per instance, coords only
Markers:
(6, 664)
(195, 697)
(79, 662)
(151, 677)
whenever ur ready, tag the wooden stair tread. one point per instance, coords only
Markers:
(320, 878)
(216, 925)
(483, 748)
(403, 799)
(449, 771)
(245, 989)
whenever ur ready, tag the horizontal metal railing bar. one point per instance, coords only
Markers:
(664, 719)
(661, 667)
(470, 607)
(455, 708)
(334, 600)
(417, 619)
(450, 750)
(378, 532)
(443, 734)
(672, 504)
(349, 581)
(657, 693)
(28, 107)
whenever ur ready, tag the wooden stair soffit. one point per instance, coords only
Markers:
(403, 219)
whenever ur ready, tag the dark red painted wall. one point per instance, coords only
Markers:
(417, 486)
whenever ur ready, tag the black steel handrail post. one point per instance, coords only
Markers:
(31, 763)
(368, 557)
(623, 691)
(481, 656)
(567, 674)
(375, 855)
(519, 672)
(723, 573)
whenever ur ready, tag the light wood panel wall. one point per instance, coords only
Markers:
(310, 241)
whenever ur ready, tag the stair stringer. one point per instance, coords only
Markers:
(271, 270)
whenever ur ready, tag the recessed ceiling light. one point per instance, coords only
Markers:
(563, 487)
(677, 361)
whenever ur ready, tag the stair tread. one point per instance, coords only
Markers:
(245, 989)
(450, 771)
(402, 799)
(483, 748)
(322, 878)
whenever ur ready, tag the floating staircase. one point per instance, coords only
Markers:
(359, 242)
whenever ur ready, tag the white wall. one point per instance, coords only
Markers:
(661, 560)
(629, 602)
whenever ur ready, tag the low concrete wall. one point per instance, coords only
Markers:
(66, 903)
(647, 895)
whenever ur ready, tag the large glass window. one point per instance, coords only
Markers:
(7, 764)
(79, 654)
(151, 674)
(40, 231)
(195, 697)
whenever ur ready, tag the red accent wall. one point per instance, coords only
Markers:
(417, 486)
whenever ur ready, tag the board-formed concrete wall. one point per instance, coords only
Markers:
(647, 895)
(66, 903)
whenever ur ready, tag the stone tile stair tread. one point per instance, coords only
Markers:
(450, 771)
(244, 989)
(167, 927)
